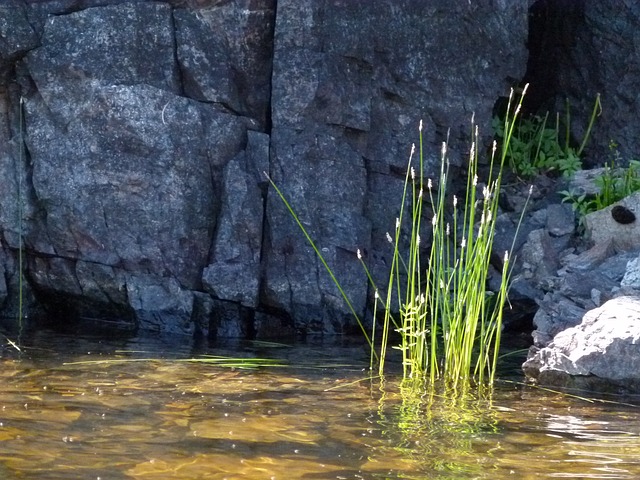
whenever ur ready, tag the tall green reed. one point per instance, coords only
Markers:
(19, 164)
(20, 201)
(449, 326)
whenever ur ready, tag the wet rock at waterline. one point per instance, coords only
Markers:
(588, 295)
(583, 281)
(601, 353)
(567, 272)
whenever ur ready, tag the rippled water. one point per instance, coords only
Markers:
(162, 418)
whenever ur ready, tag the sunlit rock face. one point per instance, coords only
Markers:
(602, 352)
(135, 136)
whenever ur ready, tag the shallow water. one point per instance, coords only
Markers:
(162, 418)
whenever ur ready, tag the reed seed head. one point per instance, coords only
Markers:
(506, 256)
(418, 240)
(397, 223)
(475, 181)
(463, 243)
(495, 146)
(420, 126)
(455, 201)
(434, 220)
(429, 184)
(444, 149)
(448, 229)
(359, 254)
(389, 239)
(413, 174)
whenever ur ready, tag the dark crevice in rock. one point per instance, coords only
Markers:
(69, 307)
(66, 311)
(179, 70)
(552, 32)
(268, 124)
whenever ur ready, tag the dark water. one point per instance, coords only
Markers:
(68, 410)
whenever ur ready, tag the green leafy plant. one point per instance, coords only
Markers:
(613, 185)
(580, 204)
(616, 183)
(536, 147)
(448, 324)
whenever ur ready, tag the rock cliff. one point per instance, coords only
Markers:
(135, 136)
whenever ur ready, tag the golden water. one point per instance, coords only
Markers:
(165, 419)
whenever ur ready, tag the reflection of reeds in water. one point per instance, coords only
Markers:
(438, 429)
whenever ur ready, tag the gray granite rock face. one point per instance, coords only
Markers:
(235, 271)
(138, 168)
(125, 174)
(224, 55)
(351, 82)
(17, 35)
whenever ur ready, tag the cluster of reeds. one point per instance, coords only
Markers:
(449, 325)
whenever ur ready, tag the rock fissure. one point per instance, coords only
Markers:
(180, 71)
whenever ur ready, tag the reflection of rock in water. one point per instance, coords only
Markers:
(623, 215)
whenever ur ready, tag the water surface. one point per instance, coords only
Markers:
(68, 410)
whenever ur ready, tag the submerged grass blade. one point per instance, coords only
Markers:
(222, 362)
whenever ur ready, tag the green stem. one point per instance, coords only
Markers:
(597, 111)
(326, 266)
